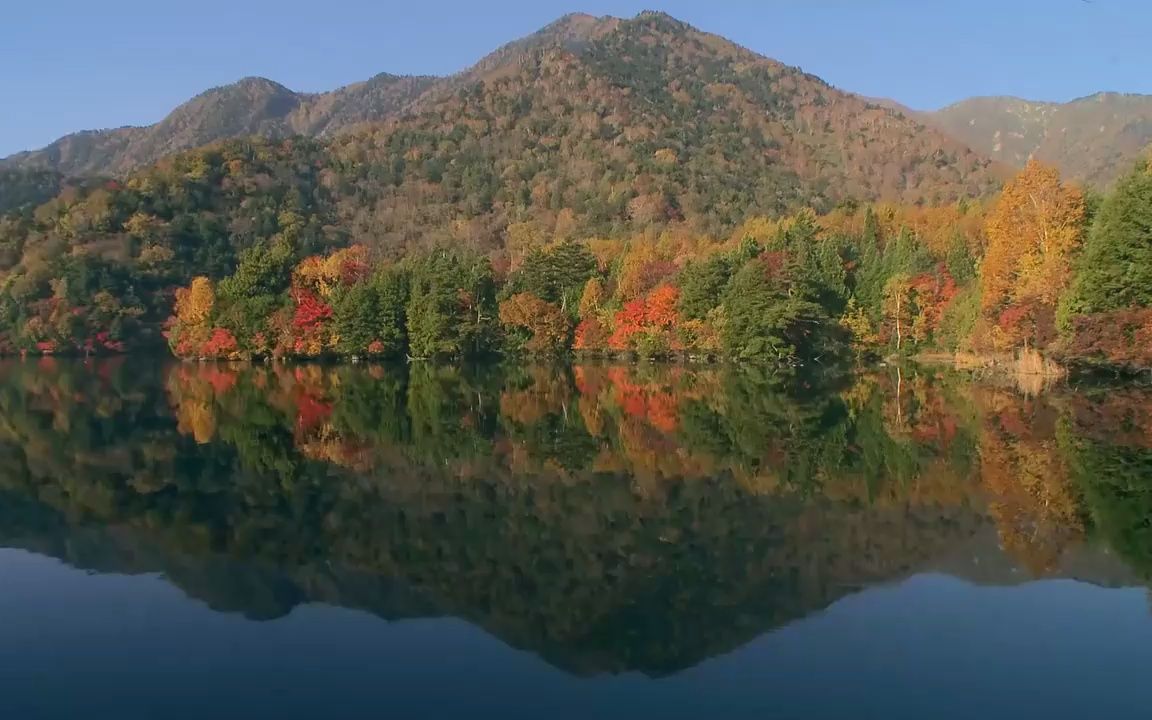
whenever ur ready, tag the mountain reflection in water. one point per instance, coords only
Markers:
(604, 518)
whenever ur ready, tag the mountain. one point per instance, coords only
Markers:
(252, 106)
(1092, 139)
(650, 103)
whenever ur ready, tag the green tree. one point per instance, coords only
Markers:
(1115, 269)
(764, 319)
(369, 317)
(452, 306)
(702, 286)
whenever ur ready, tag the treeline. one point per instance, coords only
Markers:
(657, 296)
(245, 251)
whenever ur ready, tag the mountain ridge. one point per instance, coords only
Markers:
(252, 105)
(1091, 139)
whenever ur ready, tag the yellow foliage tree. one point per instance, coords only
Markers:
(194, 304)
(1031, 232)
(592, 298)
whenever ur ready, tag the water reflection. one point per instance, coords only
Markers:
(606, 518)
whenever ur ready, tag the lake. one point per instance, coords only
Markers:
(598, 541)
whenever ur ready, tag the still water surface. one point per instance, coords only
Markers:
(195, 541)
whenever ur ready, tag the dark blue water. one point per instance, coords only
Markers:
(594, 547)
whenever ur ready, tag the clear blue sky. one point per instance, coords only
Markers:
(78, 64)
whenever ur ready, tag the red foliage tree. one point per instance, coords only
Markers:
(221, 344)
(654, 317)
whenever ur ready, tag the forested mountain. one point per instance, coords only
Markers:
(605, 186)
(1093, 139)
(650, 97)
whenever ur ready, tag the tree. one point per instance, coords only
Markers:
(648, 325)
(557, 274)
(765, 320)
(194, 304)
(546, 325)
(452, 306)
(190, 325)
(1115, 270)
(702, 285)
(592, 298)
(1032, 232)
(898, 306)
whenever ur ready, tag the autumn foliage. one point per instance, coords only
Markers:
(1033, 231)
(648, 323)
(546, 325)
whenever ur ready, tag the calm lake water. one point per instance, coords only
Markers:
(203, 541)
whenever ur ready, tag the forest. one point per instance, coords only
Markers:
(238, 252)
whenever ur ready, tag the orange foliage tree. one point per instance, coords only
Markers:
(648, 325)
(1032, 232)
(545, 322)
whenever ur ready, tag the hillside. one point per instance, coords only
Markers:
(1093, 139)
(21, 188)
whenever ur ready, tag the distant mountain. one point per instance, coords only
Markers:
(252, 106)
(650, 106)
(1093, 139)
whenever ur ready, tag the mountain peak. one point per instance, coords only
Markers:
(661, 17)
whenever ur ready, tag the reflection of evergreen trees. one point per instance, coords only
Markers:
(1107, 435)
(607, 517)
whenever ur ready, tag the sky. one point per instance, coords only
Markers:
(69, 65)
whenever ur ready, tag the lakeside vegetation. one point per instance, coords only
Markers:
(1039, 267)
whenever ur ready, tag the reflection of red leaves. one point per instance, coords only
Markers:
(220, 379)
(662, 412)
(1012, 422)
(655, 405)
(311, 411)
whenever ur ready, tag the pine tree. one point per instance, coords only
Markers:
(1115, 270)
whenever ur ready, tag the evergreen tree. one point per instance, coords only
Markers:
(452, 306)
(765, 320)
(702, 286)
(1115, 270)
(556, 275)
